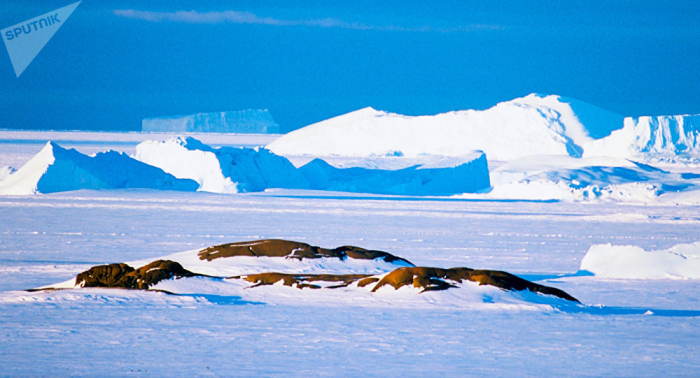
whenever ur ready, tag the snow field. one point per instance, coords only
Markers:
(283, 329)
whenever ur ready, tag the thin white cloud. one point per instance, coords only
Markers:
(236, 17)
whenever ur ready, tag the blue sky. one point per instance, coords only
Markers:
(116, 62)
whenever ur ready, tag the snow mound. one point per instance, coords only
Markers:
(244, 121)
(55, 169)
(532, 125)
(442, 176)
(221, 170)
(651, 136)
(679, 261)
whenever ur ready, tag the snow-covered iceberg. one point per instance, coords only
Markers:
(187, 164)
(679, 261)
(650, 136)
(55, 169)
(258, 121)
(221, 170)
(532, 125)
(232, 170)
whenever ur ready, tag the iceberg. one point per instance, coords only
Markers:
(254, 121)
(56, 169)
(651, 136)
(444, 176)
(221, 170)
(190, 165)
(233, 170)
(532, 125)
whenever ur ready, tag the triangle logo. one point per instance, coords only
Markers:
(26, 39)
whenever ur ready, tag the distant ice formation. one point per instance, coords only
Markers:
(254, 121)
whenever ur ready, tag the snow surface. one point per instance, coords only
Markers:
(244, 121)
(532, 125)
(679, 261)
(626, 327)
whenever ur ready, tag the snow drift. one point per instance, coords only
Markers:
(651, 136)
(532, 125)
(679, 261)
(244, 121)
(55, 169)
